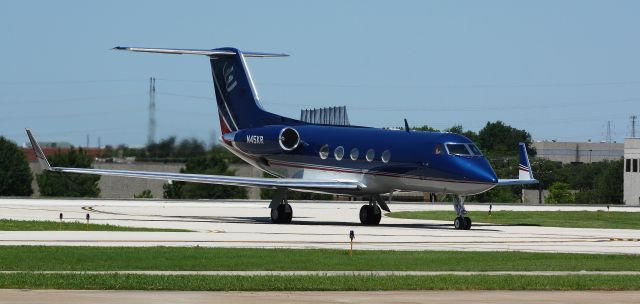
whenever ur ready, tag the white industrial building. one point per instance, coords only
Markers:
(579, 152)
(632, 171)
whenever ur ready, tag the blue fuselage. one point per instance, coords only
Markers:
(383, 160)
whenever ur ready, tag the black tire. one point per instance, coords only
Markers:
(467, 223)
(365, 214)
(458, 223)
(287, 214)
(376, 215)
(275, 215)
(282, 215)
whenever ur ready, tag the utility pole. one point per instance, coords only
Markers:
(151, 135)
(633, 125)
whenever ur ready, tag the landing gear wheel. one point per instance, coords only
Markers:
(467, 223)
(282, 215)
(370, 215)
(459, 223)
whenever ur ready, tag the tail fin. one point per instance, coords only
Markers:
(236, 96)
(524, 167)
(525, 174)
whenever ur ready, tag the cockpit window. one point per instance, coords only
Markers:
(474, 149)
(458, 149)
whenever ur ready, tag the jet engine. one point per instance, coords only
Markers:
(265, 140)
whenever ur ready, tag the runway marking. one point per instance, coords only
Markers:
(337, 273)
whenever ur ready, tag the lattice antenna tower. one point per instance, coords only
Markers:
(151, 135)
(633, 125)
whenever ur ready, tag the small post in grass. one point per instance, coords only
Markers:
(60, 220)
(352, 236)
(607, 211)
(87, 221)
(490, 207)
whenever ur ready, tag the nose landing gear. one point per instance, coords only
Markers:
(461, 222)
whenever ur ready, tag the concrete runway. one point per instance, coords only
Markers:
(369, 297)
(315, 225)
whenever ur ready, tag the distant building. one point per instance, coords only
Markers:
(579, 152)
(632, 171)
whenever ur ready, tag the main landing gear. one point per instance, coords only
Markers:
(461, 222)
(371, 213)
(281, 211)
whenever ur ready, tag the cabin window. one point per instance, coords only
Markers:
(458, 149)
(324, 151)
(370, 155)
(355, 153)
(339, 153)
(386, 156)
(438, 149)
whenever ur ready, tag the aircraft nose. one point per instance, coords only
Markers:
(483, 172)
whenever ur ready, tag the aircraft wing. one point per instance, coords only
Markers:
(525, 174)
(311, 184)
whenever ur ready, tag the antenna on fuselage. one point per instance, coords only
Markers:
(406, 125)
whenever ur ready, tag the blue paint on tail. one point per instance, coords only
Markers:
(236, 96)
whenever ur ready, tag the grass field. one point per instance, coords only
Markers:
(318, 283)
(43, 258)
(574, 219)
(16, 225)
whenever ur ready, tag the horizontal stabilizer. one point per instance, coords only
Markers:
(210, 53)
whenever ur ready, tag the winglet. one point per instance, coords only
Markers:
(42, 159)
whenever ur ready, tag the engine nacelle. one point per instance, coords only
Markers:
(265, 140)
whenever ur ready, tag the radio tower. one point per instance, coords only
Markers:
(609, 137)
(151, 136)
(633, 125)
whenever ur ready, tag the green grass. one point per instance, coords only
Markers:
(16, 225)
(573, 219)
(59, 258)
(318, 283)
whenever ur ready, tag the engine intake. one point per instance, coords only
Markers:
(265, 140)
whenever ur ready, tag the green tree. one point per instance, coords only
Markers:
(53, 183)
(144, 194)
(424, 128)
(15, 175)
(609, 184)
(212, 164)
(559, 193)
(499, 139)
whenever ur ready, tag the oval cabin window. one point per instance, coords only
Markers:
(324, 152)
(370, 155)
(355, 153)
(339, 153)
(386, 156)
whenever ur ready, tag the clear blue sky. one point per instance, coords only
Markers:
(559, 69)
